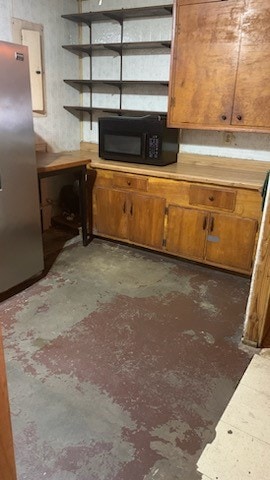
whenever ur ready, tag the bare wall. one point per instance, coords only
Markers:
(59, 129)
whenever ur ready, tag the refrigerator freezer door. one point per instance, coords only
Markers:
(21, 252)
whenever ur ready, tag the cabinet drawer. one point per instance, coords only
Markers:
(130, 182)
(212, 197)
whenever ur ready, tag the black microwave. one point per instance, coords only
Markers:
(138, 139)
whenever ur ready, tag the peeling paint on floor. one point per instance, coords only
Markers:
(120, 363)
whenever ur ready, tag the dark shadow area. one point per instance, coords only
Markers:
(54, 240)
(266, 339)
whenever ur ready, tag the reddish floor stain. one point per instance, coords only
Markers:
(75, 456)
(190, 444)
(135, 350)
(169, 361)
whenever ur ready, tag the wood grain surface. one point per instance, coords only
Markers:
(257, 321)
(49, 162)
(197, 168)
(7, 460)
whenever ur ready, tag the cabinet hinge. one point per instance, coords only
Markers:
(164, 242)
(166, 211)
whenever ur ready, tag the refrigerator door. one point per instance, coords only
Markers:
(21, 252)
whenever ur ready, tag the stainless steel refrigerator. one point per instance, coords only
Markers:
(21, 252)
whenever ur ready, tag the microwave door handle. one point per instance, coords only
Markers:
(144, 153)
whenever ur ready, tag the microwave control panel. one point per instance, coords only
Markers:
(153, 146)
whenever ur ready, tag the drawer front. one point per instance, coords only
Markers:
(130, 182)
(212, 197)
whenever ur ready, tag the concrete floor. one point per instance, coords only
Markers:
(120, 363)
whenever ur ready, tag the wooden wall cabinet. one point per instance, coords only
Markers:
(207, 223)
(220, 65)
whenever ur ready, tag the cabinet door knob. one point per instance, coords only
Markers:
(129, 183)
(224, 117)
(239, 117)
(211, 198)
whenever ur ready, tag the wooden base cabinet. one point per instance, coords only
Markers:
(130, 216)
(207, 223)
(230, 241)
(111, 212)
(218, 239)
(146, 220)
(186, 232)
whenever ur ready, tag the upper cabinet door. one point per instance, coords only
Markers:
(252, 95)
(204, 63)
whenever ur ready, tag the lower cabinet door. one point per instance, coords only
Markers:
(111, 212)
(230, 241)
(186, 232)
(146, 220)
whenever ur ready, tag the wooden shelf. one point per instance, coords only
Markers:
(78, 84)
(120, 15)
(78, 111)
(119, 48)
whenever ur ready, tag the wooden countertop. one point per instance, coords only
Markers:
(52, 162)
(197, 168)
(193, 168)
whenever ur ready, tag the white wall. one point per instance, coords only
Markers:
(251, 146)
(138, 65)
(237, 145)
(59, 129)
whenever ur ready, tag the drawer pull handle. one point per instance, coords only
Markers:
(131, 209)
(239, 117)
(204, 223)
(212, 225)
(129, 183)
(211, 198)
(224, 117)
